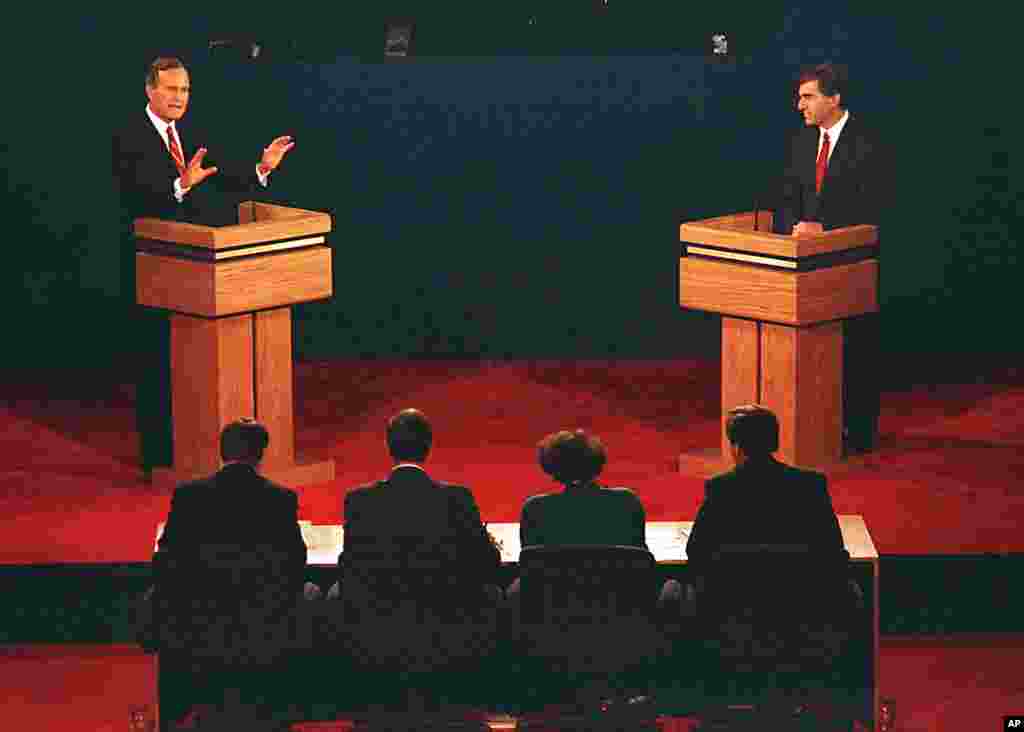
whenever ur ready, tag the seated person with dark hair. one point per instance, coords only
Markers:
(585, 512)
(763, 501)
(238, 508)
(409, 517)
(228, 573)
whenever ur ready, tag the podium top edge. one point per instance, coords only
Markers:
(736, 232)
(268, 223)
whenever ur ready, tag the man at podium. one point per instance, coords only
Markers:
(160, 171)
(836, 176)
(159, 162)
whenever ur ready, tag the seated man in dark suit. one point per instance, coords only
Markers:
(764, 501)
(229, 567)
(410, 517)
(236, 508)
(585, 512)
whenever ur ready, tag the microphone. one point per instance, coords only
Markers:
(761, 195)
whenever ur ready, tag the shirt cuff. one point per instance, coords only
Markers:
(179, 192)
(263, 177)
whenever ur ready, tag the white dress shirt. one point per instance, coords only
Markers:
(409, 465)
(833, 135)
(161, 128)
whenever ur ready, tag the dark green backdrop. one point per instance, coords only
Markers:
(515, 190)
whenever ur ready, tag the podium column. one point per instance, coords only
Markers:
(273, 388)
(794, 371)
(741, 370)
(801, 381)
(211, 385)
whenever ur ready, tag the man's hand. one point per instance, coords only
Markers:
(274, 153)
(195, 173)
(806, 228)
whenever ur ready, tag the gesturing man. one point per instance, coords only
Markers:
(157, 165)
(161, 172)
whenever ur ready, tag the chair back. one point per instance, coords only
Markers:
(586, 583)
(408, 608)
(774, 606)
(589, 607)
(400, 573)
(229, 604)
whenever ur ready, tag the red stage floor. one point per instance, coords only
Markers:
(946, 480)
(938, 684)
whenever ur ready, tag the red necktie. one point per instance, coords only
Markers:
(179, 160)
(822, 166)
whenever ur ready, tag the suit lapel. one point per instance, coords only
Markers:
(810, 156)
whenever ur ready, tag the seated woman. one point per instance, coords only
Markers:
(585, 512)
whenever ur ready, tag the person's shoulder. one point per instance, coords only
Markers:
(362, 490)
(539, 498)
(803, 476)
(456, 490)
(132, 126)
(861, 125)
(280, 490)
(862, 132)
(805, 473)
(619, 490)
(718, 480)
(193, 487)
(803, 133)
(621, 493)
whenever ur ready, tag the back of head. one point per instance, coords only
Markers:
(571, 457)
(409, 436)
(244, 441)
(754, 429)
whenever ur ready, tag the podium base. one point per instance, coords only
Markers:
(290, 476)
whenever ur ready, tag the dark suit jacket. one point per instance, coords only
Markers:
(413, 522)
(766, 502)
(855, 187)
(584, 514)
(145, 175)
(234, 511)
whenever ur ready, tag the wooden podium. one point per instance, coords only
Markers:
(229, 290)
(783, 300)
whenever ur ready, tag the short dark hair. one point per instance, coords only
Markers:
(409, 435)
(243, 440)
(753, 428)
(569, 457)
(832, 79)
(161, 63)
